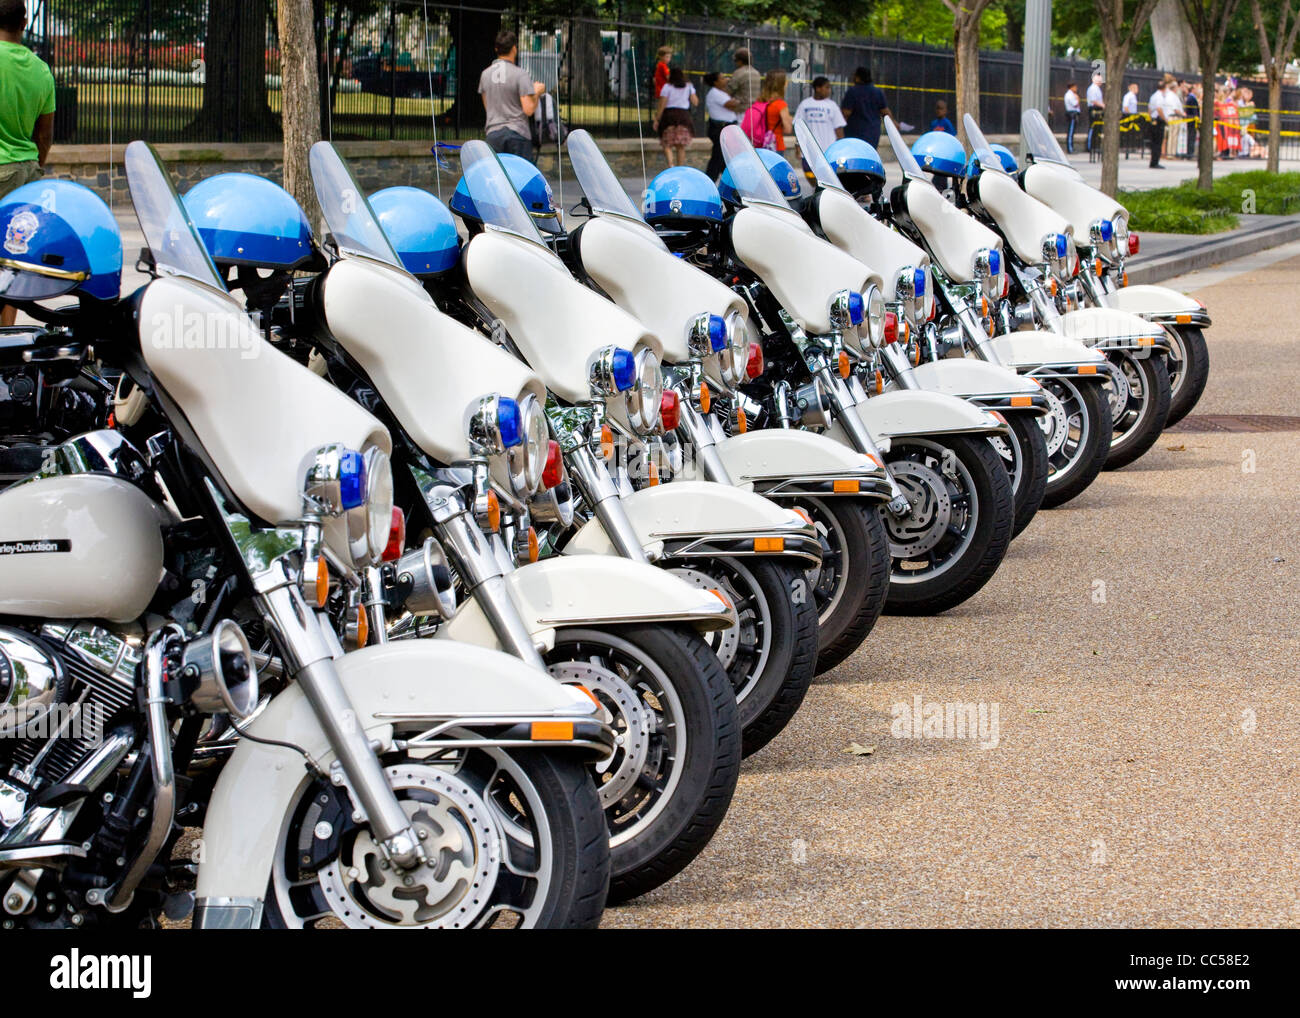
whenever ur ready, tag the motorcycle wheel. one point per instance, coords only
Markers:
(1024, 456)
(853, 581)
(1189, 368)
(1077, 430)
(520, 837)
(952, 542)
(1138, 390)
(668, 785)
(770, 656)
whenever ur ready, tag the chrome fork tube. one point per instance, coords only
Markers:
(900, 368)
(601, 493)
(844, 404)
(372, 603)
(694, 428)
(980, 341)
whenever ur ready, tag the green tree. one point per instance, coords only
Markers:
(1121, 23)
(1209, 20)
(1277, 22)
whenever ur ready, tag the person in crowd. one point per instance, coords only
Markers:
(1071, 101)
(1096, 109)
(821, 113)
(1228, 130)
(717, 104)
(1176, 116)
(1156, 113)
(510, 99)
(864, 106)
(26, 111)
(673, 116)
(746, 83)
(1192, 106)
(1129, 105)
(663, 67)
(1246, 117)
(1129, 126)
(940, 122)
(779, 121)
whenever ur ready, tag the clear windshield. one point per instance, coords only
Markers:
(1038, 139)
(495, 198)
(815, 157)
(347, 214)
(906, 161)
(984, 154)
(167, 227)
(604, 193)
(748, 174)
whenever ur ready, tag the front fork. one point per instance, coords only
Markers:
(602, 495)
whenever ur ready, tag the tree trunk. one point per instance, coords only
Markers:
(966, 46)
(1206, 139)
(234, 66)
(1175, 43)
(1274, 114)
(1116, 57)
(300, 95)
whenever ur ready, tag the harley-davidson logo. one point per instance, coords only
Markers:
(20, 231)
(36, 546)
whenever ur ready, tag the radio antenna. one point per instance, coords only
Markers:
(636, 90)
(559, 142)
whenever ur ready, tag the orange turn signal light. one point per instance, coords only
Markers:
(769, 544)
(493, 512)
(845, 486)
(706, 398)
(880, 383)
(534, 549)
(1022, 401)
(606, 441)
(845, 366)
(742, 422)
(1087, 369)
(551, 731)
(322, 582)
(652, 473)
(1183, 319)
(363, 626)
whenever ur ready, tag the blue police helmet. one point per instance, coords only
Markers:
(682, 194)
(59, 237)
(528, 182)
(1004, 155)
(940, 152)
(248, 220)
(419, 227)
(857, 164)
(778, 168)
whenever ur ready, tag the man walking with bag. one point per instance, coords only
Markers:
(510, 99)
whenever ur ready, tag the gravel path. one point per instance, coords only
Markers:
(1140, 648)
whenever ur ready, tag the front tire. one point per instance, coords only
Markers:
(1189, 369)
(667, 788)
(770, 656)
(1138, 390)
(1025, 458)
(1078, 431)
(959, 528)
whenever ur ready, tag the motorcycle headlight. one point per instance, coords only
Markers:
(734, 358)
(873, 301)
(527, 459)
(494, 424)
(370, 522)
(1119, 232)
(645, 396)
(611, 370)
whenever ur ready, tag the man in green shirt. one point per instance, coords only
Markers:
(26, 110)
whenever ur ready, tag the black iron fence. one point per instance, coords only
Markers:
(207, 71)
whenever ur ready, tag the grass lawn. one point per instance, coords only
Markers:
(1184, 209)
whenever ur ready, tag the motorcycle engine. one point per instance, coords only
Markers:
(59, 691)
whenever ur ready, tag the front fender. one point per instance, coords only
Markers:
(911, 412)
(1029, 349)
(966, 377)
(1159, 304)
(1109, 328)
(786, 463)
(593, 591)
(256, 789)
(701, 519)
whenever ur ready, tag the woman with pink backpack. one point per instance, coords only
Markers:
(768, 120)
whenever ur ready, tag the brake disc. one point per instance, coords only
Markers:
(726, 642)
(1120, 391)
(1055, 423)
(632, 720)
(923, 528)
(450, 891)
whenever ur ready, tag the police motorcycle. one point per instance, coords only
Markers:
(904, 271)
(1041, 263)
(709, 351)
(1104, 241)
(971, 278)
(816, 309)
(470, 450)
(414, 785)
(602, 370)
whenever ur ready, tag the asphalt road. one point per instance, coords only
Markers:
(1139, 647)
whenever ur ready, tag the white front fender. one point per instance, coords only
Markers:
(692, 516)
(1033, 349)
(786, 461)
(258, 785)
(1158, 303)
(584, 590)
(966, 377)
(909, 412)
(1107, 327)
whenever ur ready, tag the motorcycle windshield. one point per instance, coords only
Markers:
(815, 157)
(1039, 141)
(347, 214)
(906, 161)
(168, 230)
(752, 181)
(984, 154)
(604, 193)
(497, 202)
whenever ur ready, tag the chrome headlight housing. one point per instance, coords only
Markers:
(645, 397)
(1120, 232)
(356, 488)
(1056, 250)
(734, 357)
(611, 370)
(527, 459)
(706, 334)
(910, 290)
(873, 303)
(846, 309)
(494, 424)
(988, 267)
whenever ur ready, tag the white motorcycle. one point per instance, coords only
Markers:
(1102, 235)
(902, 272)
(710, 350)
(418, 785)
